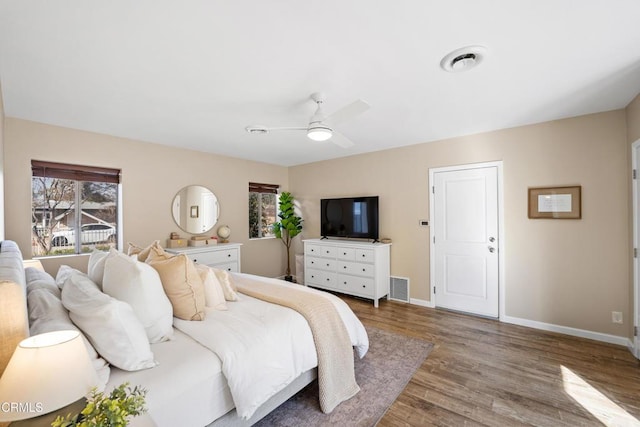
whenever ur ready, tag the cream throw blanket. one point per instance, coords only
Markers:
(336, 375)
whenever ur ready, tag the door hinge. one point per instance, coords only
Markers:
(434, 240)
(433, 189)
(635, 252)
(634, 174)
(635, 331)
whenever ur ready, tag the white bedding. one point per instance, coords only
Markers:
(262, 346)
(188, 376)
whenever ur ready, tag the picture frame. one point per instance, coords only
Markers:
(555, 202)
(194, 213)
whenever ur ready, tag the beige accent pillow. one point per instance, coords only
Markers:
(213, 295)
(181, 283)
(226, 281)
(142, 253)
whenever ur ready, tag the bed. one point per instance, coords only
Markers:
(200, 375)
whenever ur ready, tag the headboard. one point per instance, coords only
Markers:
(14, 323)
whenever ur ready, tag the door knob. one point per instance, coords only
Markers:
(492, 249)
(492, 239)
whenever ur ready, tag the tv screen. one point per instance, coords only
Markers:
(350, 217)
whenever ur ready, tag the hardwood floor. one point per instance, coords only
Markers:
(483, 372)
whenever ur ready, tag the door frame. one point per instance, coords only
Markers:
(501, 234)
(634, 342)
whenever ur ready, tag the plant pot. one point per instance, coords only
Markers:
(289, 279)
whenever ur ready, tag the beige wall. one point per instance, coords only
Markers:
(571, 273)
(151, 176)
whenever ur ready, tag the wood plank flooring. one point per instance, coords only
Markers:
(483, 372)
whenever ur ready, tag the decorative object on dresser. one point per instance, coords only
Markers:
(176, 241)
(225, 256)
(355, 268)
(289, 226)
(224, 232)
(203, 240)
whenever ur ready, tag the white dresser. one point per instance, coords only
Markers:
(225, 256)
(355, 268)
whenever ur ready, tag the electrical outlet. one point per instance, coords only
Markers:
(616, 316)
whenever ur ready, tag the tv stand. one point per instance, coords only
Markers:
(355, 268)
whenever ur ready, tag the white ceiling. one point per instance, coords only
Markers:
(194, 73)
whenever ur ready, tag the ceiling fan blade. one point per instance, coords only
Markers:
(264, 129)
(340, 140)
(348, 112)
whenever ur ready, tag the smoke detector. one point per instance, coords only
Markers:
(463, 59)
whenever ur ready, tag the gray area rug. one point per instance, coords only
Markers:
(382, 374)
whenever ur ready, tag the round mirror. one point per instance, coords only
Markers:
(195, 209)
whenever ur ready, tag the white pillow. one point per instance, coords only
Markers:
(63, 274)
(139, 285)
(110, 325)
(95, 269)
(213, 295)
(47, 314)
(40, 279)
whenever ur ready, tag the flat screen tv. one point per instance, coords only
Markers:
(350, 217)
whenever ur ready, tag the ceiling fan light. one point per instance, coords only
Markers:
(319, 133)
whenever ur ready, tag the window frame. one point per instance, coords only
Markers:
(261, 189)
(79, 174)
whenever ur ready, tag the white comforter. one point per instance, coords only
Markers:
(263, 346)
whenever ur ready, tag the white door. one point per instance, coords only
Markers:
(465, 240)
(636, 244)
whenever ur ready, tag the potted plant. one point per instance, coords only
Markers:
(112, 410)
(289, 226)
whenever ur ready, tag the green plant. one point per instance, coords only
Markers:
(111, 410)
(289, 226)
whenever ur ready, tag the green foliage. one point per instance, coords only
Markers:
(289, 226)
(111, 410)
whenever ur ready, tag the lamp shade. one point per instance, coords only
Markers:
(45, 373)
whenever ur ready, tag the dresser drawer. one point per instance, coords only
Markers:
(229, 266)
(214, 257)
(347, 254)
(364, 255)
(323, 279)
(320, 263)
(360, 269)
(361, 286)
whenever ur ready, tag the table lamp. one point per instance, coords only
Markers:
(46, 372)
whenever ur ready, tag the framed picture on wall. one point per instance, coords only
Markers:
(194, 211)
(555, 202)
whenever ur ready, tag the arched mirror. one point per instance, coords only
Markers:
(195, 209)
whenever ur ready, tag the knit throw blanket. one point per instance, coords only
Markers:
(336, 375)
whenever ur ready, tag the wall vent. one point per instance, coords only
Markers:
(399, 288)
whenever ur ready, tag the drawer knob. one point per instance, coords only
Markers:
(313, 277)
(228, 255)
(344, 253)
(363, 255)
(364, 269)
(328, 279)
(327, 265)
(229, 269)
(344, 266)
(195, 260)
(344, 283)
(364, 286)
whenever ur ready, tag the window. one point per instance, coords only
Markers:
(57, 190)
(263, 208)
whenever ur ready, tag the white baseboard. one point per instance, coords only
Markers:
(598, 336)
(421, 302)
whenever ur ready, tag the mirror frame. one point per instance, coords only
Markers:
(195, 209)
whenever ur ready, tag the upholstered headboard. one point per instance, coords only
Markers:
(14, 323)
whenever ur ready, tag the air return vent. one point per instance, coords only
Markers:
(399, 288)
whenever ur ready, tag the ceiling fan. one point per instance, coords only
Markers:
(321, 127)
